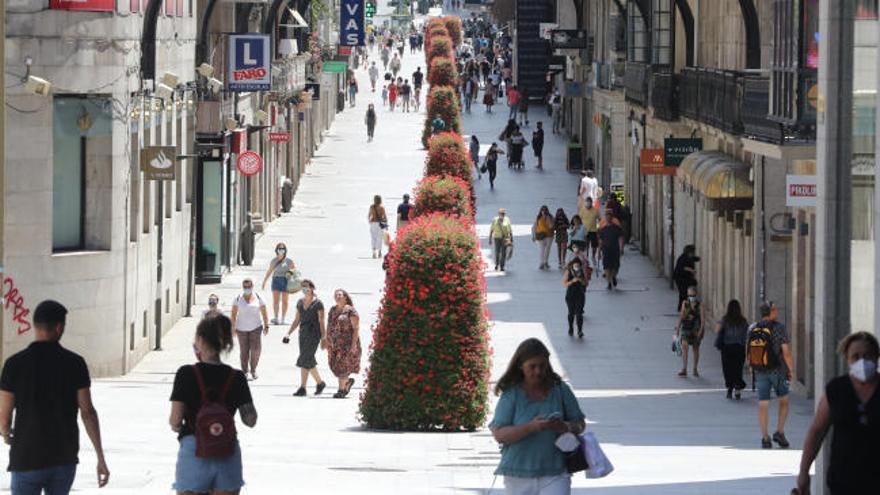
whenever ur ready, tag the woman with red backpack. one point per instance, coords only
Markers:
(204, 400)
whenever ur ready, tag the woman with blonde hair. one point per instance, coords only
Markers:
(378, 223)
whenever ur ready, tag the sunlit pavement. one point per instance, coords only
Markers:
(663, 433)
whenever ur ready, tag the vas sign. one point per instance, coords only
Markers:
(351, 23)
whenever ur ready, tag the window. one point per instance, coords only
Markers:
(82, 173)
(663, 33)
(637, 35)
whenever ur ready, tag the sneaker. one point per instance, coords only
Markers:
(274, 321)
(570, 332)
(301, 392)
(580, 334)
(779, 438)
(729, 393)
(254, 375)
(737, 395)
(766, 443)
(320, 388)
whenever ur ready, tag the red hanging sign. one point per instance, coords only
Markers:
(93, 5)
(279, 137)
(249, 163)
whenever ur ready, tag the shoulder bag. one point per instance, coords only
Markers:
(575, 460)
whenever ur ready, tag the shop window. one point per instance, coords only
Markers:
(82, 173)
(663, 33)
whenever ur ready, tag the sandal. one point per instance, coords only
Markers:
(320, 388)
(683, 373)
(339, 395)
(348, 388)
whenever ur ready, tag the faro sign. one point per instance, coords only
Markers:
(249, 63)
(351, 23)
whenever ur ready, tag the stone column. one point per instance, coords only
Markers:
(834, 208)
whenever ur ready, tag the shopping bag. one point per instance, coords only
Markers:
(294, 281)
(599, 465)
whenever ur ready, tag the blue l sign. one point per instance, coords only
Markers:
(249, 63)
(351, 22)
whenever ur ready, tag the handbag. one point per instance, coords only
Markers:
(294, 281)
(719, 339)
(576, 460)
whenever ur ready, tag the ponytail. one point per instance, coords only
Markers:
(216, 331)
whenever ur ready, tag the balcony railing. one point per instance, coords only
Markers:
(636, 82)
(755, 106)
(664, 95)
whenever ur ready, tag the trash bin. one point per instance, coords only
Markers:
(575, 157)
(247, 245)
(286, 195)
(340, 101)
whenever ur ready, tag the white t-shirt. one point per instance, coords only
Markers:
(248, 317)
(590, 188)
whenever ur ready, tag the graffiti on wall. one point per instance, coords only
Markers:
(12, 299)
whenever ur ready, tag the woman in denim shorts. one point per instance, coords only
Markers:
(217, 475)
(279, 268)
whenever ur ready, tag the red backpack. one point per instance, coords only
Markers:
(215, 425)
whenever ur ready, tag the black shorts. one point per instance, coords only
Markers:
(593, 239)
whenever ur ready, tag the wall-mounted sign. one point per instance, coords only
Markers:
(568, 38)
(157, 162)
(279, 137)
(315, 89)
(249, 63)
(575, 89)
(351, 23)
(344, 51)
(249, 163)
(93, 5)
(334, 67)
(545, 28)
(800, 190)
(651, 161)
(675, 149)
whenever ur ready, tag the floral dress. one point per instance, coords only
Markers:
(345, 350)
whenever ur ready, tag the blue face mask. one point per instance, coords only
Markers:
(248, 291)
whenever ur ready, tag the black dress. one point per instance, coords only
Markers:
(855, 437)
(538, 142)
(309, 333)
(610, 235)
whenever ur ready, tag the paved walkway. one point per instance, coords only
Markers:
(664, 434)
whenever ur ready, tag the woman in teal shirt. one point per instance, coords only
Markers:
(534, 409)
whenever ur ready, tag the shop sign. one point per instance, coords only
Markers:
(92, 5)
(249, 63)
(651, 161)
(249, 163)
(568, 39)
(575, 89)
(157, 162)
(314, 89)
(351, 23)
(678, 148)
(801, 190)
(239, 142)
(334, 67)
(344, 51)
(279, 137)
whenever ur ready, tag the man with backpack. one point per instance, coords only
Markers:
(769, 356)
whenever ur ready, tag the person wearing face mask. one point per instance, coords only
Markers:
(575, 280)
(685, 273)
(542, 234)
(310, 321)
(247, 311)
(279, 269)
(213, 307)
(534, 409)
(851, 405)
(690, 330)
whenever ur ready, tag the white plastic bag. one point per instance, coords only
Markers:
(600, 466)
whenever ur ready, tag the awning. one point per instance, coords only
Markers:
(298, 20)
(722, 181)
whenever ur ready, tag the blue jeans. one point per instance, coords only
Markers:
(195, 474)
(55, 480)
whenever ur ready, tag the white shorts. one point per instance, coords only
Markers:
(545, 485)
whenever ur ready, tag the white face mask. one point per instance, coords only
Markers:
(863, 370)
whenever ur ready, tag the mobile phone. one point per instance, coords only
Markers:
(554, 416)
(286, 340)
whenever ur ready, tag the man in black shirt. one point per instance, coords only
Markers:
(403, 212)
(46, 385)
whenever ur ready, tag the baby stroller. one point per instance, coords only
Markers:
(517, 144)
